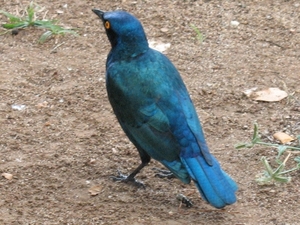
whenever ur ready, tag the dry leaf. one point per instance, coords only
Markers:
(94, 190)
(269, 95)
(8, 176)
(283, 137)
(249, 92)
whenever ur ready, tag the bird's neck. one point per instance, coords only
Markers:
(129, 47)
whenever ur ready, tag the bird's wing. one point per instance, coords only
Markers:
(153, 133)
(154, 136)
(193, 123)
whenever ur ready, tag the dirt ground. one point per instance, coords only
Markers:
(67, 140)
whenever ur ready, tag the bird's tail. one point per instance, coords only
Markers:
(215, 186)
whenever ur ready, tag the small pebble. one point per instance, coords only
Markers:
(234, 23)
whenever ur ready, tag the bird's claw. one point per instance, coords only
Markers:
(120, 177)
(163, 173)
(127, 179)
(184, 200)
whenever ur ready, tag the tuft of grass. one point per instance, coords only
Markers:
(200, 36)
(270, 175)
(29, 20)
(278, 174)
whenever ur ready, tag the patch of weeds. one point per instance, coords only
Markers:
(273, 175)
(29, 20)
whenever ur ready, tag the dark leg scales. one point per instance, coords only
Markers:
(127, 179)
(164, 173)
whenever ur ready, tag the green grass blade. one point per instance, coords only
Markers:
(267, 166)
(50, 24)
(15, 25)
(278, 169)
(12, 18)
(45, 36)
(243, 145)
(200, 36)
(282, 179)
(67, 31)
(290, 170)
(255, 137)
(30, 12)
(47, 24)
(281, 149)
(55, 29)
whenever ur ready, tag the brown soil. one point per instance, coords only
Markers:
(67, 139)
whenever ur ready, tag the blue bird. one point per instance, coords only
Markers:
(154, 109)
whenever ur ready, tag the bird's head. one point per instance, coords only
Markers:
(124, 31)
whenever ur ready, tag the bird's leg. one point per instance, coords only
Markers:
(184, 200)
(130, 178)
(163, 173)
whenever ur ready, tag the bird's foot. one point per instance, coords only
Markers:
(163, 173)
(184, 200)
(127, 179)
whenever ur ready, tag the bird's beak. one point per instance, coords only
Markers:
(98, 13)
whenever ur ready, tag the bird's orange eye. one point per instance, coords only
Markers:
(107, 25)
